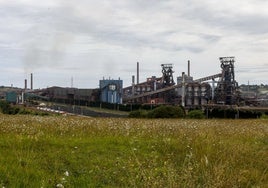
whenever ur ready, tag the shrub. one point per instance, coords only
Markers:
(14, 110)
(23, 111)
(264, 116)
(5, 107)
(223, 113)
(196, 114)
(138, 114)
(166, 112)
(159, 112)
(249, 114)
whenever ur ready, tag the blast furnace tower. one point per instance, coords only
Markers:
(226, 91)
(167, 78)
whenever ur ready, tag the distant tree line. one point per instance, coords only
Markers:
(167, 111)
(7, 108)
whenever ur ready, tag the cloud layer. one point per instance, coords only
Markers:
(87, 40)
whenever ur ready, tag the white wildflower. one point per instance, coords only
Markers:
(63, 180)
(206, 160)
(59, 185)
(66, 173)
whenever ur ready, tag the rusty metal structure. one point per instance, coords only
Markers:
(226, 91)
(163, 90)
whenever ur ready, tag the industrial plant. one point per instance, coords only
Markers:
(187, 92)
(218, 90)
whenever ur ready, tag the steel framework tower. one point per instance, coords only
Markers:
(226, 90)
(167, 78)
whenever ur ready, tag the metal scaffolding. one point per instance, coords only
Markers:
(226, 90)
(167, 78)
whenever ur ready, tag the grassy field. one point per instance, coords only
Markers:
(87, 152)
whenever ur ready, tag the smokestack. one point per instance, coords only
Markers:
(31, 81)
(189, 68)
(25, 84)
(138, 72)
(133, 79)
(133, 85)
(183, 90)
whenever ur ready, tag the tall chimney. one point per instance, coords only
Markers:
(133, 79)
(188, 68)
(138, 72)
(183, 90)
(25, 84)
(133, 85)
(31, 81)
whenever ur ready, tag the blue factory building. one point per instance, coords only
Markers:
(11, 97)
(111, 91)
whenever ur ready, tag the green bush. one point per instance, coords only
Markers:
(5, 107)
(138, 114)
(196, 114)
(14, 110)
(159, 112)
(23, 111)
(234, 113)
(264, 116)
(167, 112)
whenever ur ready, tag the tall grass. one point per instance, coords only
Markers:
(88, 152)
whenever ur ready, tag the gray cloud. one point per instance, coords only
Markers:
(98, 38)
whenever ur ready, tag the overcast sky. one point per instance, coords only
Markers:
(91, 39)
